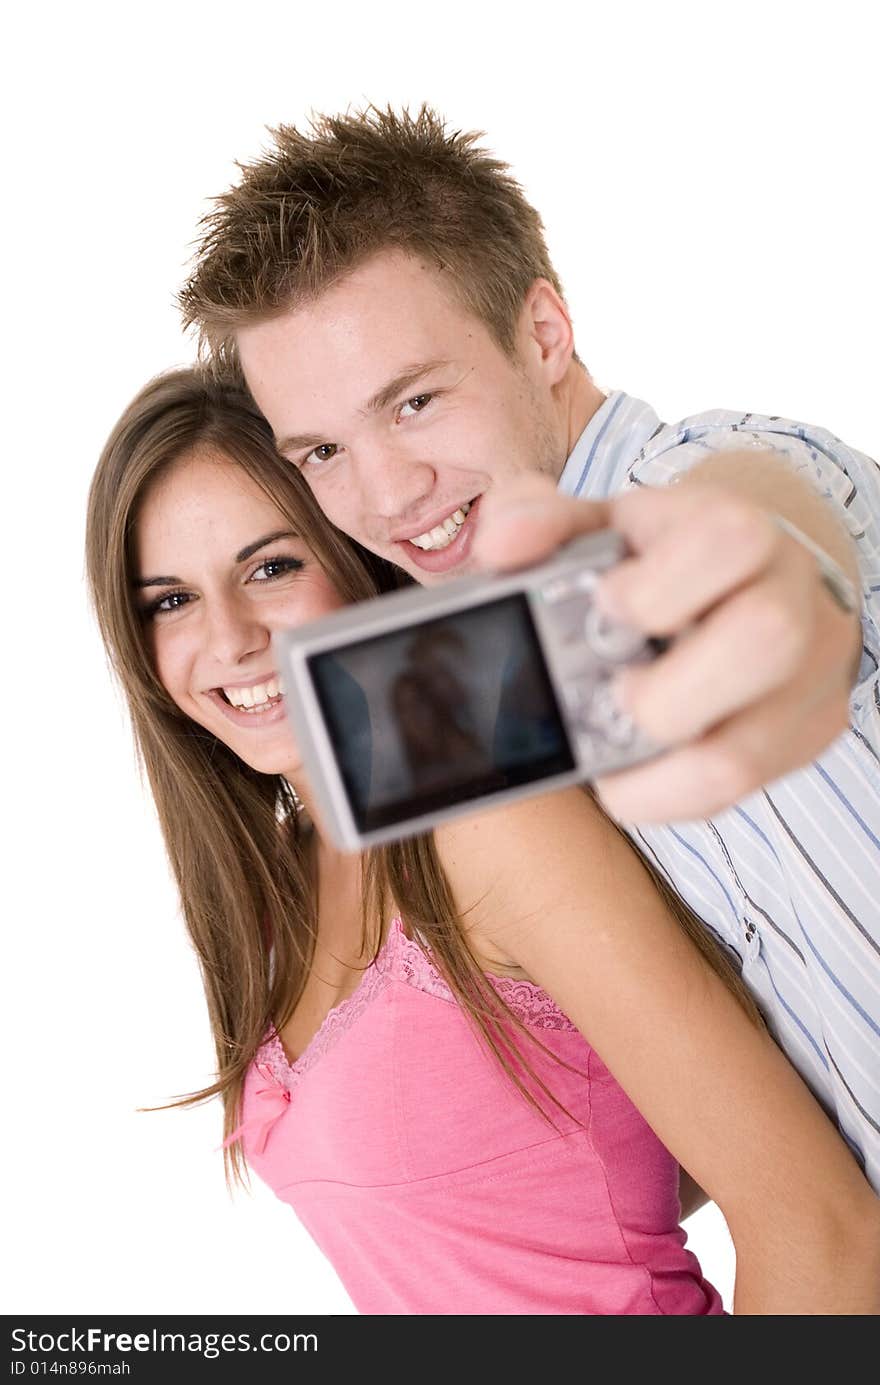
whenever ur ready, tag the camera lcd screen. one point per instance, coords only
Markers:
(437, 714)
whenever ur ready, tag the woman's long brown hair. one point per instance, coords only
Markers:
(234, 835)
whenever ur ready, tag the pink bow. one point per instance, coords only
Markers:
(271, 1102)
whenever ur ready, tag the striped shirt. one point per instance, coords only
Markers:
(790, 877)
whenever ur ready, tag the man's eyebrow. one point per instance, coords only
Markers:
(379, 401)
(241, 557)
(400, 384)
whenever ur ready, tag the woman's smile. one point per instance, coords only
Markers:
(251, 705)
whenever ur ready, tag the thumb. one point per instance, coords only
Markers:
(526, 520)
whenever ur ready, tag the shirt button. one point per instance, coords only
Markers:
(752, 940)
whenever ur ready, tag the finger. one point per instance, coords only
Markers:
(742, 651)
(527, 520)
(644, 513)
(691, 548)
(725, 766)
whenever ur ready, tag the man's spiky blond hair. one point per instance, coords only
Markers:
(320, 203)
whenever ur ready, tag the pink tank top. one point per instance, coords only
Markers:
(432, 1185)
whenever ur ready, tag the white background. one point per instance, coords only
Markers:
(707, 176)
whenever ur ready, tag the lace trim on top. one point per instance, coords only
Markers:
(402, 956)
(528, 1002)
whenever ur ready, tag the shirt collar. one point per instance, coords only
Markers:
(612, 439)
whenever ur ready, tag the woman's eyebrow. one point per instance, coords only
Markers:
(240, 557)
(156, 582)
(251, 548)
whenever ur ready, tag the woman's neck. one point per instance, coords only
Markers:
(340, 883)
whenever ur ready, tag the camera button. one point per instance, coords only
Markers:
(577, 699)
(617, 725)
(586, 581)
(558, 590)
(609, 638)
(589, 746)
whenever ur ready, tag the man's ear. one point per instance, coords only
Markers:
(545, 336)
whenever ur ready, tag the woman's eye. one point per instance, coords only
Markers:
(322, 453)
(417, 404)
(164, 605)
(276, 567)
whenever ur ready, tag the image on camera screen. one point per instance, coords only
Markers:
(453, 709)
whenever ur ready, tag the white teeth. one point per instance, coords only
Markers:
(443, 534)
(256, 696)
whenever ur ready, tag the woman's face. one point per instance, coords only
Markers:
(218, 569)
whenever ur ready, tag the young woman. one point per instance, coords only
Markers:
(474, 1062)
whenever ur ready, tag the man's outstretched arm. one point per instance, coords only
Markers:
(758, 683)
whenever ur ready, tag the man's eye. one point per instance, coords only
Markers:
(322, 453)
(416, 404)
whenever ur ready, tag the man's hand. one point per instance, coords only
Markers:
(757, 681)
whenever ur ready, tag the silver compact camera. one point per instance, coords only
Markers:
(431, 703)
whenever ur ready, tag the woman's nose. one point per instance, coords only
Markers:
(234, 630)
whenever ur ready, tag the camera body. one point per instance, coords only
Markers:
(432, 703)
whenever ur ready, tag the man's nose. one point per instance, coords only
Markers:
(393, 485)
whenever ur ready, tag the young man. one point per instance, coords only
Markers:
(385, 288)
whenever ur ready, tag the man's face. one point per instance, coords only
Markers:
(401, 410)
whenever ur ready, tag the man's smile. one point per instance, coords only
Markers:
(444, 546)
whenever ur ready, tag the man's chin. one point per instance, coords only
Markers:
(436, 579)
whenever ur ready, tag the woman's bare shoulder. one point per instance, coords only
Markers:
(517, 862)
